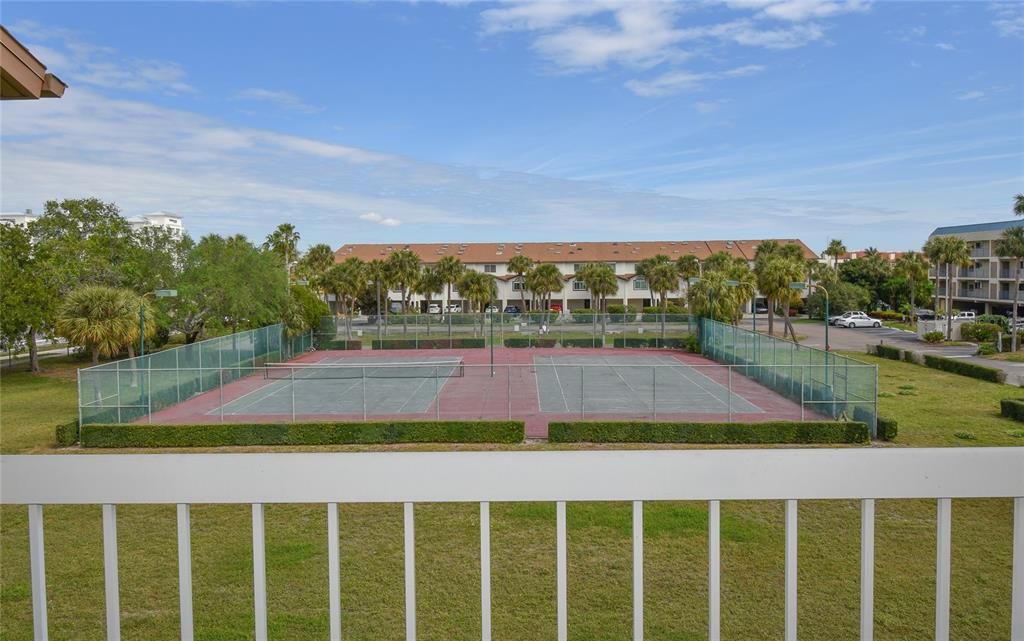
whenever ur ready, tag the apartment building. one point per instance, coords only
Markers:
(160, 219)
(887, 256)
(492, 258)
(986, 285)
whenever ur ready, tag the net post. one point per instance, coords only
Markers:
(78, 383)
(508, 389)
(803, 370)
(117, 382)
(177, 375)
(149, 392)
(437, 396)
(363, 387)
(728, 369)
(583, 395)
(220, 389)
(654, 391)
(200, 346)
(292, 385)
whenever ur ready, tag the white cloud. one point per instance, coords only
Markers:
(747, 33)
(281, 99)
(707, 107)
(676, 81)
(1009, 20)
(374, 217)
(971, 95)
(945, 46)
(798, 10)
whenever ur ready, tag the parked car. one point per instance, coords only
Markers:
(924, 314)
(858, 319)
(434, 308)
(453, 308)
(395, 308)
(965, 316)
(512, 309)
(556, 307)
(761, 309)
(491, 309)
(834, 320)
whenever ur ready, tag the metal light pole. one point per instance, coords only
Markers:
(492, 343)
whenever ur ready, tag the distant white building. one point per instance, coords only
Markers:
(18, 220)
(160, 219)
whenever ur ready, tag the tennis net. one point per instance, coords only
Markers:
(329, 371)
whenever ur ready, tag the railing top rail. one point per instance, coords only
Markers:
(652, 475)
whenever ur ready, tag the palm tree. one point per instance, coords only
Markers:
(544, 280)
(835, 250)
(449, 269)
(283, 241)
(314, 265)
(1018, 205)
(405, 269)
(872, 252)
(429, 283)
(775, 273)
(347, 281)
(479, 289)
(932, 251)
(521, 265)
(688, 267)
(711, 297)
(1011, 245)
(745, 288)
(954, 252)
(662, 277)
(377, 273)
(601, 282)
(914, 268)
(101, 319)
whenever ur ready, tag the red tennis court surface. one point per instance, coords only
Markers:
(535, 385)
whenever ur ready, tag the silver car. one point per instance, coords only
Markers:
(858, 319)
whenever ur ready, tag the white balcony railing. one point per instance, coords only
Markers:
(485, 477)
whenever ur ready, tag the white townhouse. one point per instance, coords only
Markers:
(161, 219)
(492, 258)
(18, 219)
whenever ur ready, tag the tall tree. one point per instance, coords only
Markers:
(430, 282)
(601, 281)
(521, 265)
(744, 290)
(835, 250)
(711, 297)
(1018, 205)
(314, 264)
(28, 295)
(450, 270)
(955, 253)
(1011, 245)
(774, 277)
(662, 277)
(479, 289)
(545, 279)
(347, 281)
(914, 268)
(404, 266)
(688, 267)
(932, 251)
(379, 276)
(283, 242)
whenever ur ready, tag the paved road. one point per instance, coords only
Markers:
(857, 340)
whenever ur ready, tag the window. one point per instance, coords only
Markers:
(577, 267)
(640, 283)
(579, 286)
(490, 269)
(518, 286)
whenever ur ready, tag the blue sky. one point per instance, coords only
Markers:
(872, 122)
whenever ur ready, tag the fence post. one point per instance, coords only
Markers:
(78, 383)
(117, 383)
(508, 390)
(177, 375)
(728, 369)
(437, 396)
(583, 395)
(220, 388)
(363, 386)
(292, 384)
(654, 391)
(149, 392)
(200, 346)
(803, 370)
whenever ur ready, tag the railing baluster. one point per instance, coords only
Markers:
(943, 542)
(485, 570)
(410, 574)
(185, 571)
(714, 569)
(561, 563)
(1017, 591)
(259, 572)
(333, 572)
(791, 576)
(110, 572)
(638, 570)
(38, 571)
(867, 569)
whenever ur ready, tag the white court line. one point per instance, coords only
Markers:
(561, 390)
(682, 372)
(624, 382)
(677, 364)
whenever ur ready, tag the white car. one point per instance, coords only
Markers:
(453, 308)
(858, 319)
(491, 309)
(965, 316)
(434, 308)
(834, 320)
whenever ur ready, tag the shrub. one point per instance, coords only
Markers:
(427, 343)
(888, 315)
(67, 434)
(529, 341)
(662, 432)
(986, 349)
(908, 356)
(888, 428)
(1012, 408)
(995, 319)
(226, 434)
(353, 344)
(964, 368)
(934, 336)
(649, 341)
(615, 308)
(888, 351)
(596, 341)
(691, 344)
(967, 436)
(980, 332)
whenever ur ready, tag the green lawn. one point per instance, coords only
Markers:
(523, 551)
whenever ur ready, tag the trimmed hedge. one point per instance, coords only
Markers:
(427, 343)
(887, 351)
(888, 428)
(1012, 408)
(353, 344)
(225, 434)
(908, 357)
(662, 432)
(523, 341)
(597, 341)
(965, 369)
(648, 341)
(67, 433)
